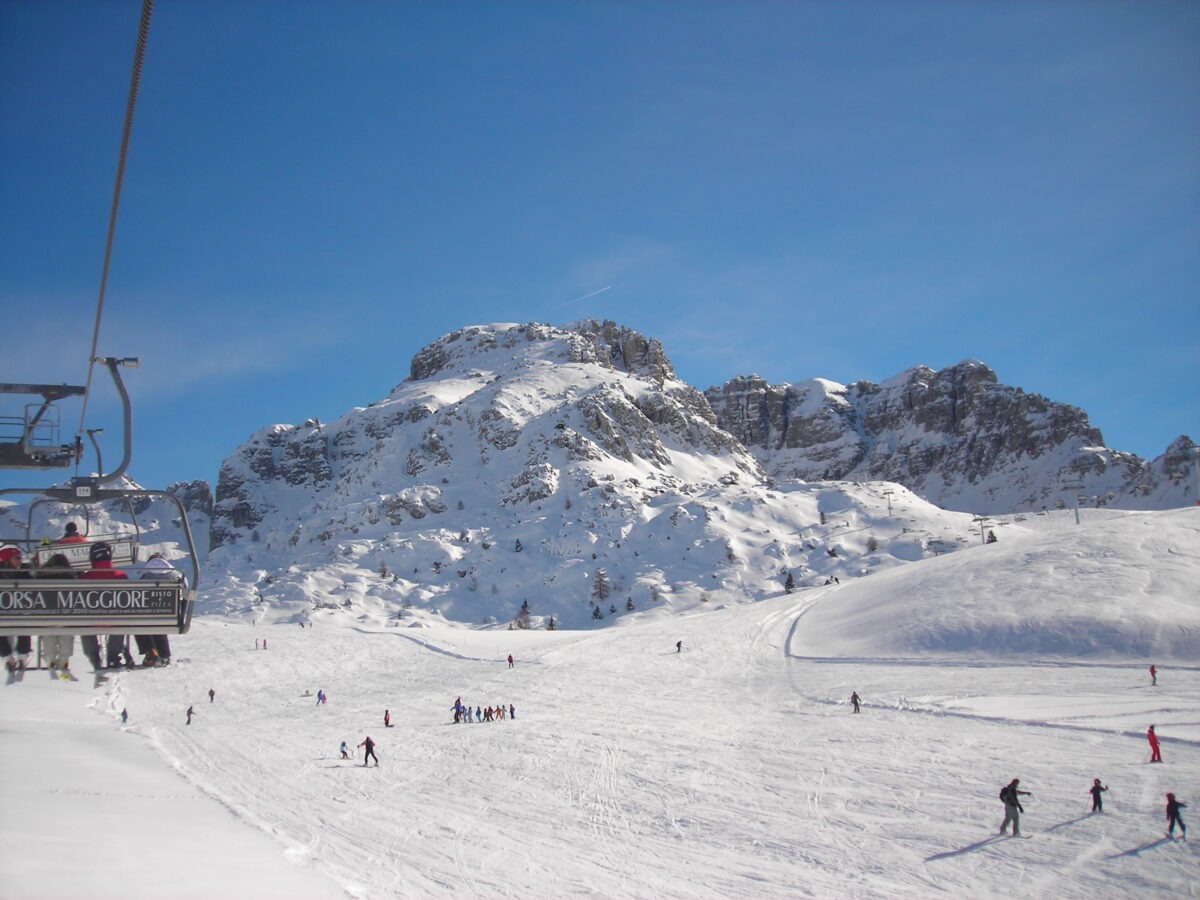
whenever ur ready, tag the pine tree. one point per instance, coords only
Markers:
(596, 614)
(789, 585)
(600, 585)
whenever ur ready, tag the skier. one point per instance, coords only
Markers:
(478, 714)
(458, 710)
(387, 719)
(1152, 738)
(191, 712)
(264, 643)
(1153, 676)
(512, 711)
(510, 661)
(855, 700)
(1173, 817)
(679, 646)
(1096, 790)
(211, 695)
(370, 751)
(124, 716)
(1012, 807)
(256, 643)
(345, 751)
(320, 697)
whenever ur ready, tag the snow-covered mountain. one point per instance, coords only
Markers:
(532, 473)
(957, 437)
(564, 468)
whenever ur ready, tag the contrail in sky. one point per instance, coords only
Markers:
(585, 296)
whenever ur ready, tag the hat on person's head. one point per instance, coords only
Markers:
(8, 555)
(100, 552)
(71, 528)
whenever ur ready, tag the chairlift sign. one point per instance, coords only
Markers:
(28, 606)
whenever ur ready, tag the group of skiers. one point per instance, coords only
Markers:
(1011, 794)
(462, 713)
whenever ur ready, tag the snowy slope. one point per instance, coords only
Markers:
(1136, 571)
(733, 768)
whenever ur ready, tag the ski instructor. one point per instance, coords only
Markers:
(370, 751)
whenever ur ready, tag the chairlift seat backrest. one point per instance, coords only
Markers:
(124, 550)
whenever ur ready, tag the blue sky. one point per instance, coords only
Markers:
(315, 191)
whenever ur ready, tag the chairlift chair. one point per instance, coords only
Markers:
(152, 604)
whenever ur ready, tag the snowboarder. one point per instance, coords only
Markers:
(191, 712)
(370, 751)
(679, 646)
(124, 716)
(1173, 817)
(510, 661)
(855, 701)
(1096, 790)
(1012, 806)
(345, 751)
(387, 719)
(1153, 676)
(211, 695)
(1152, 738)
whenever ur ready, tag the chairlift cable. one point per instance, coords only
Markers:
(130, 104)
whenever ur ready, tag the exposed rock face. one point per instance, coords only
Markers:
(196, 496)
(956, 437)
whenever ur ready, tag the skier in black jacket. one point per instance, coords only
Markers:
(1096, 790)
(1012, 807)
(1173, 817)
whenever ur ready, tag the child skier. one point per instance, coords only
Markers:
(1096, 790)
(1173, 817)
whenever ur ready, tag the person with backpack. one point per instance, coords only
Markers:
(1096, 790)
(1173, 808)
(855, 701)
(1011, 796)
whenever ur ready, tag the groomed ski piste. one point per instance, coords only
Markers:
(734, 768)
